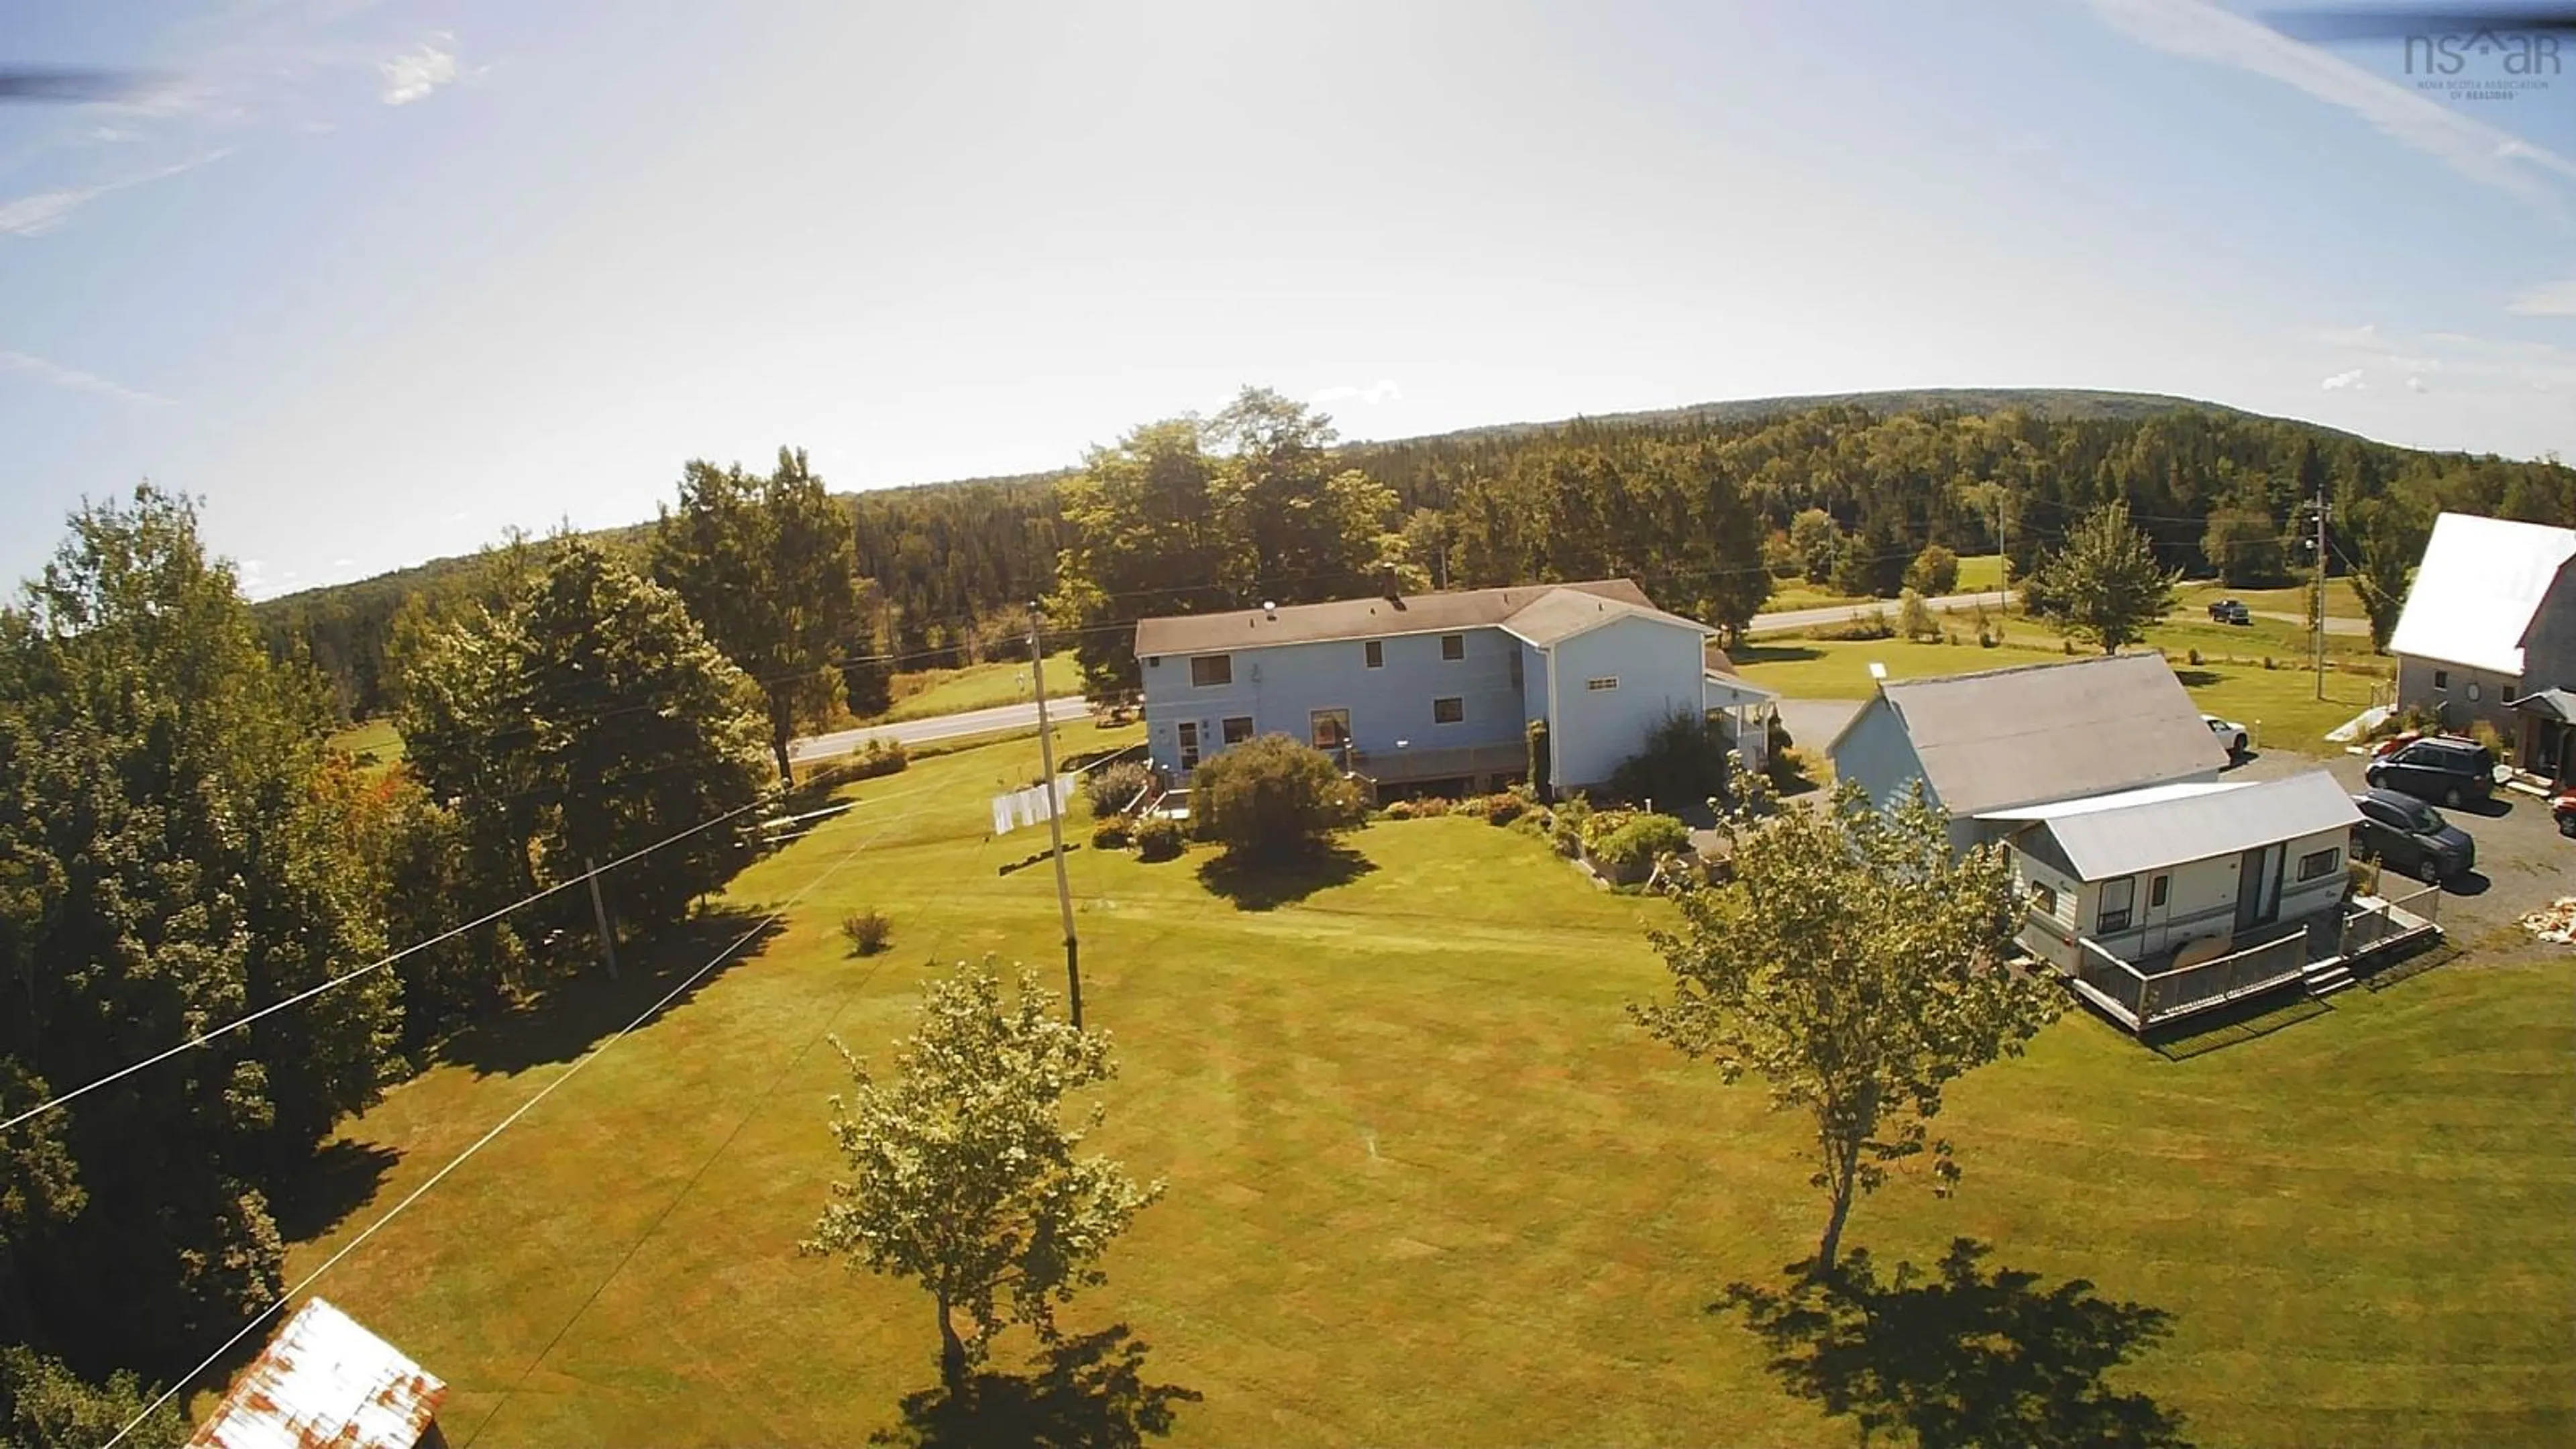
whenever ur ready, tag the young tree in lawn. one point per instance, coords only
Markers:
(769, 569)
(1856, 966)
(2106, 584)
(964, 1176)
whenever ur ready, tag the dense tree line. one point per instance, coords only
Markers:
(1698, 504)
(181, 847)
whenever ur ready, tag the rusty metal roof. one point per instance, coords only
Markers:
(324, 1381)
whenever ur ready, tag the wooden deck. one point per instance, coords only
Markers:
(2318, 954)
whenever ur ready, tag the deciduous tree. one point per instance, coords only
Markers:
(170, 859)
(590, 720)
(1817, 540)
(963, 1174)
(2243, 545)
(1856, 966)
(2106, 583)
(768, 568)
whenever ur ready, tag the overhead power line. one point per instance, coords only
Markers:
(379, 964)
(505, 1124)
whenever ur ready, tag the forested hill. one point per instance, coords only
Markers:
(952, 564)
(2047, 402)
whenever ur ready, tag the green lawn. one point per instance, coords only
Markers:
(374, 738)
(923, 693)
(1976, 572)
(1429, 1187)
(2341, 601)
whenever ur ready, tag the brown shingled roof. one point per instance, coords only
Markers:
(1379, 618)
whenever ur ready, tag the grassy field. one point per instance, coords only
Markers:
(2281, 702)
(1427, 1185)
(1976, 572)
(2341, 601)
(923, 693)
(375, 738)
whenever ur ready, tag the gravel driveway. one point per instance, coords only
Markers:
(2523, 862)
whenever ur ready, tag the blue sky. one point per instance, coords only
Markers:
(377, 281)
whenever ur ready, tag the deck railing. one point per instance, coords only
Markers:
(2172, 993)
(2372, 922)
(2141, 999)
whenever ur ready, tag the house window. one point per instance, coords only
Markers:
(1210, 670)
(1516, 669)
(1607, 682)
(2442, 679)
(1189, 744)
(1236, 729)
(2119, 898)
(1376, 652)
(1453, 646)
(2318, 863)
(2043, 900)
(1331, 728)
(2475, 691)
(1448, 711)
(2156, 892)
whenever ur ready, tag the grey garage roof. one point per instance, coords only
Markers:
(2110, 836)
(1541, 613)
(2041, 732)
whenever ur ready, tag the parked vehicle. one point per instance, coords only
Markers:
(2229, 732)
(2403, 833)
(2563, 810)
(2230, 611)
(2444, 768)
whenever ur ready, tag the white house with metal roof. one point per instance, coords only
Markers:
(2033, 734)
(2489, 633)
(1431, 687)
(2147, 874)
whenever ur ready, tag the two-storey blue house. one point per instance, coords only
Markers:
(1428, 688)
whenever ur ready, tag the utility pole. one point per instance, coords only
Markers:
(1055, 821)
(2317, 620)
(599, 911)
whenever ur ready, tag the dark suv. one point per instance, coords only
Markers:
(2404, 833)
(2452, 771)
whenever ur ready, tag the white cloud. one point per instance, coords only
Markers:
(2467, 364)
(2343, 380)
(42, 211)
(414, 74)
(29, 365)
(2549, 299)
(2474, 149)
(1382, 390)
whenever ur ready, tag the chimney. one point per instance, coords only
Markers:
(1386, 587)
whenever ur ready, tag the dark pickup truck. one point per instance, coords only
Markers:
(2230, 611)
